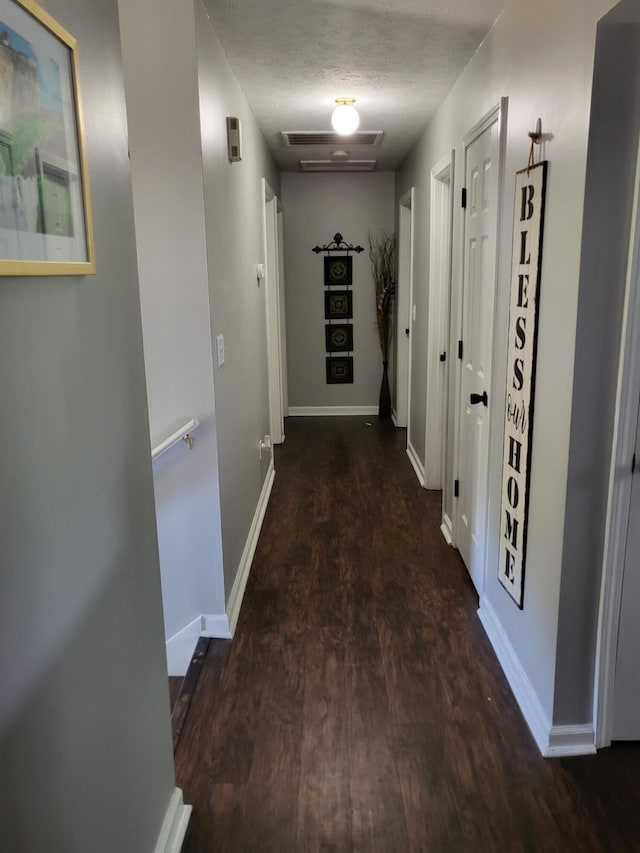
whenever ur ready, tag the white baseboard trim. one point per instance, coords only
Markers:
(552, 741)
(180, 647)
(242, 575)
(394, 417)
(571, 740)
(522, 689)
(304, 411)
(418, 467)
(174, 825)
(215, 625)
(446, 532)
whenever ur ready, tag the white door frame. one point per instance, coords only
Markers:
(497, 113)
(273, 312)
(284, 380)
(620, 482)
(404, 302)
(440, 241)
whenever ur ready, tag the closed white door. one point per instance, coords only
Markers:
(478, 290)
(626, 713)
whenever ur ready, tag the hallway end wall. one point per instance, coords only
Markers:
(523, 58)
(85, 734)
(315, 208)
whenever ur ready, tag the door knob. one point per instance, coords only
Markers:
(479, 398)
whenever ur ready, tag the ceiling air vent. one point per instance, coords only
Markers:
(321, 137)
(338, 165)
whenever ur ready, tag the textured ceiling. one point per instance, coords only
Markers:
(397, 58)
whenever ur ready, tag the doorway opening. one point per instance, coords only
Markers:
(404, 302)
(276, 325)
(439, 353)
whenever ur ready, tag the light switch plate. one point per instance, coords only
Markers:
(220, 349)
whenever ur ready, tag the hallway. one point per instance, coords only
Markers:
(360, 706)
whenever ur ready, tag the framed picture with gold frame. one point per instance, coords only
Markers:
(45, 207)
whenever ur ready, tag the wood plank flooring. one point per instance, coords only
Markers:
(360, 706)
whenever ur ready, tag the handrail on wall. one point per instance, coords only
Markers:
(182, 433)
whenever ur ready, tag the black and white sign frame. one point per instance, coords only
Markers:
(528, 223)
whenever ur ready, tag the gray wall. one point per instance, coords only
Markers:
(614, 126)
(234, 204)
(85, 745)
(315, 207)
(166, 165)
(541, 57)
(200, 236)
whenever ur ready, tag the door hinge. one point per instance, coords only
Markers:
(463, 200)
(633, 464)
(443, 356)
(460, 350)
(456, 488)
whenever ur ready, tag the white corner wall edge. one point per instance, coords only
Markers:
(304, 411)
(242, 576)
(174, 825)
(552, 741)
(180, 647)
(417, 465)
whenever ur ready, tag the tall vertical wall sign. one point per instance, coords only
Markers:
(528, 223)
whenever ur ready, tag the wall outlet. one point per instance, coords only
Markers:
(264, 444)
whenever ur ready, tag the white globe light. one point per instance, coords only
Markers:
(345, 118)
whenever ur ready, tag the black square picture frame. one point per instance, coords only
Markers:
(338, 305)
(338, 270)
(339, 370)
(338, 337)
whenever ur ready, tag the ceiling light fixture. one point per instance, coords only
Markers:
(345, 119)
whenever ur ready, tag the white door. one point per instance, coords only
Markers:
(478, 291)
(626, 702)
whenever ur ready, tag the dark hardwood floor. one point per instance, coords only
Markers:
(360, 706)
(175, 685)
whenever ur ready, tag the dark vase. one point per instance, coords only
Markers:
(384, 406)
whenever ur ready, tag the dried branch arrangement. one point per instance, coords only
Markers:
(382, 252)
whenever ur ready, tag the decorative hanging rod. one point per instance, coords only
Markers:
(337, 245)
